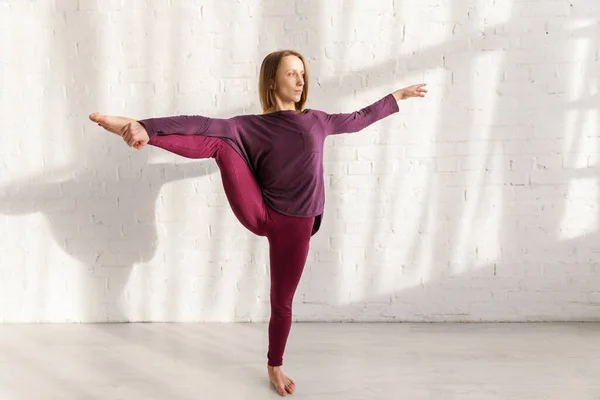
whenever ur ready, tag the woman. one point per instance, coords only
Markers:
(272, 171)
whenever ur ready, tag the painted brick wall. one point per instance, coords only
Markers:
(477, 203)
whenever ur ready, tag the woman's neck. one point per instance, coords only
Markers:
(272, 110)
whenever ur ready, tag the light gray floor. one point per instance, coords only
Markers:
(327, 361)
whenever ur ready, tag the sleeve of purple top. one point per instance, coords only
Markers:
(357, 120)
(190, 125)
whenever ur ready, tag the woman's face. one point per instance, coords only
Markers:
(289, 79)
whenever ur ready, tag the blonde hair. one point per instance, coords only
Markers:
(268, 72)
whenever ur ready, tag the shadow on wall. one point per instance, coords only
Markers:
(104, 213)
(87, 213)
(529, 184)
(98, 223)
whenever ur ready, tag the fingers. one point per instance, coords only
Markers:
(129, 137)
(420, 86)
(418, 90)
(132, 139)
(126, 135)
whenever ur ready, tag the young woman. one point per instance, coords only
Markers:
(272, 171)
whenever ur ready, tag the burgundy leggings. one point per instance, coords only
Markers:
(288, 236)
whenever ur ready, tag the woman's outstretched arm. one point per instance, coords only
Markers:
(358, 120)
(137, 133)
(185, 125)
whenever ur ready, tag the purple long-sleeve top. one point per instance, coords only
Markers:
(284, 149)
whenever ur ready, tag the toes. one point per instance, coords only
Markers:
(290, 386)
(98, 118)
(279, 387)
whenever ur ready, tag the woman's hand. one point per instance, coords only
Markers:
(135, 135)
(410, 91)
(132, 132)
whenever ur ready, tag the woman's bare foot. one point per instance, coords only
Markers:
(132, 132)
(112, 124)
(282, 383)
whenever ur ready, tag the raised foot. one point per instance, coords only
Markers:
(111, 123)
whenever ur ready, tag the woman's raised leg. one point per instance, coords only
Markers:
(242, 190)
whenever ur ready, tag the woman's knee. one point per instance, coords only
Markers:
(242, 191)
(281, 311)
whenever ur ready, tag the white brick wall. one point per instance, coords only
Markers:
(477, 203)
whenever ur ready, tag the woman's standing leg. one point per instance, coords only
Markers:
(289, 239)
